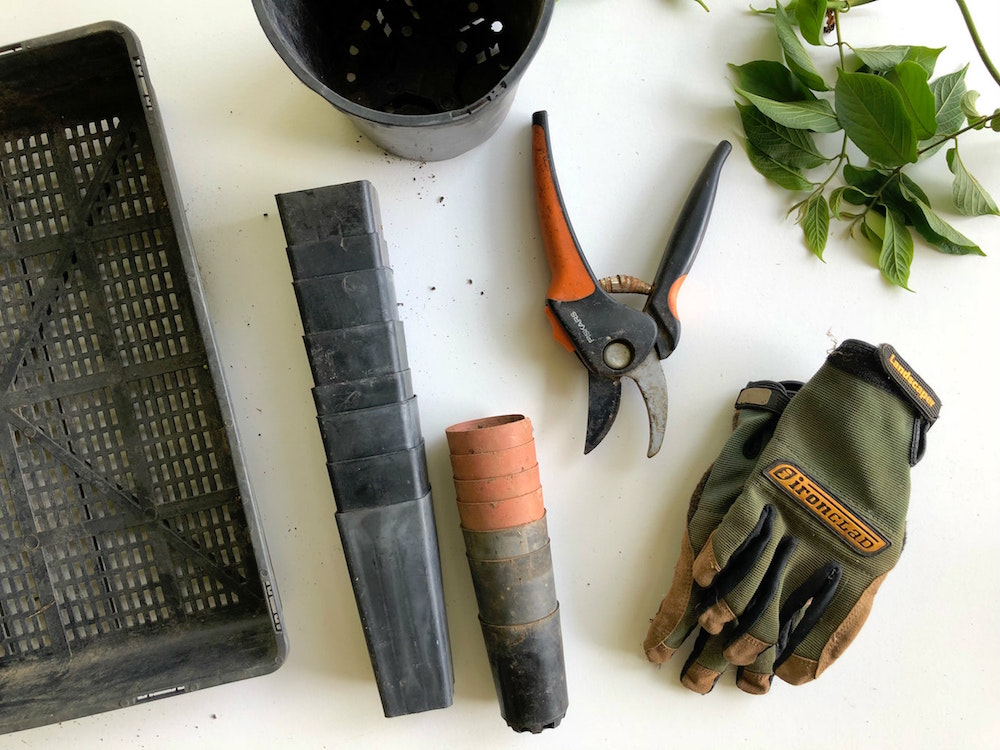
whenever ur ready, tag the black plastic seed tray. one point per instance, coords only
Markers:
(132, 566)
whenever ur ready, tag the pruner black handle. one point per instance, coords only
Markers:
(682, 247)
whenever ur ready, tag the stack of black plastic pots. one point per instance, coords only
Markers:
(371, 431)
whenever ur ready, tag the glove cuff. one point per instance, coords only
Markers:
(767, 395)
(882, 367)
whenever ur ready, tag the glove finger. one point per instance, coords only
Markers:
(756, 678)
(705, 664)
(800, 613)
(730, 590)
(800, 665)
(759, 625)
(677, 615)
(731, 547)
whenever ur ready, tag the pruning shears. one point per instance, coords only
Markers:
(611, 339)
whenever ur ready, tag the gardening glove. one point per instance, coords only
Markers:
(820, 522)
(757, 410)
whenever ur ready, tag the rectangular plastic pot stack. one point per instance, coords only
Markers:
(370, 426)
(500, 504)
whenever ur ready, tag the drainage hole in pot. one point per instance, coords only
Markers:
(496, 27)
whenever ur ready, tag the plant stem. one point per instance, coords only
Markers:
(985, 120)
(977, 41)
(840, 39)
(841, 158)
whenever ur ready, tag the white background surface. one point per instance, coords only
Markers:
(638, 93)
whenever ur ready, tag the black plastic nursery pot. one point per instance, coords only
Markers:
(423, 79)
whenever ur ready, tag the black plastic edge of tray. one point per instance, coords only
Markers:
(179, 219)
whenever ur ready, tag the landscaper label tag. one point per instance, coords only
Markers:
(915, 387)
(826, 508)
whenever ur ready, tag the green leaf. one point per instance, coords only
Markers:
(795, 53)
(897, 250)
(972, 116)
(925, 57)
(814, 216)
(910, 81)
(970, 197)
(874, 241)
(787, 177)
(933, 228)
(874, 117)
(790, 8)
(815, 115)
(968, 105)
(882, 59)
(875, 223)
(771, 80)
(794, 148)
(811, 15)
(868, 181)
(948, 92)
(995, 120)
(845, 192)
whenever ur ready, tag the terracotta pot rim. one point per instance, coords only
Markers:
(489, 434)
(502, 514)
(492, 464)
(498, 488)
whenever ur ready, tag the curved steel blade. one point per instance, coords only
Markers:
(604, 396)
(648, 375)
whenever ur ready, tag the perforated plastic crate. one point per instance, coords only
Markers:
(131, 561)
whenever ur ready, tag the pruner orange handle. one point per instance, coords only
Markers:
(584, 318)
(572, 278)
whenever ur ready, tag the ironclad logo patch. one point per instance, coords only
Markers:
(836, 516)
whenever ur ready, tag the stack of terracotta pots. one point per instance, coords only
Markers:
(500, 504)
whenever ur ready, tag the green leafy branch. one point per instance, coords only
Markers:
(888, 106)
